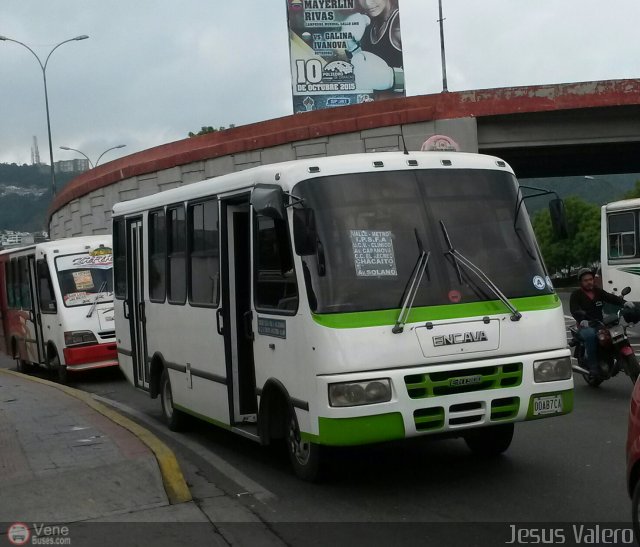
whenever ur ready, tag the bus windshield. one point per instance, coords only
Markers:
(372, 227)
(85, 279)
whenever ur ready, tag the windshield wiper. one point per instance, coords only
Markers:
(95, 301)
(459, 258)
(411, 288)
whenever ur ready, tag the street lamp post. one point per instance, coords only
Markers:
(46, 96)
(444, 62)
(99, 157)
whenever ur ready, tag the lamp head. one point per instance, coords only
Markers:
(81, 37)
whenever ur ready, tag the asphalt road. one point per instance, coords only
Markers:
(562, 470)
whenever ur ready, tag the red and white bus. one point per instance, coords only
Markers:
(56, 305)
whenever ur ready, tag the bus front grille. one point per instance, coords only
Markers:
(436, 384)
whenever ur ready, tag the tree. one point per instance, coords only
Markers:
(635, 193)
(582, 247)
(209, 129)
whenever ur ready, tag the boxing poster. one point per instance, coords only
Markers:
(344, 52)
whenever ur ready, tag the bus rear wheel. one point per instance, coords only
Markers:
(305, 456)
(175, 419)
(490, 441)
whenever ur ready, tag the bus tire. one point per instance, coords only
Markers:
(58, 368)
(490, 441)
(305, 456)
(175, 419)
(631, 367)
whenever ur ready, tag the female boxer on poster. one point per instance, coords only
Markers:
(377, 53)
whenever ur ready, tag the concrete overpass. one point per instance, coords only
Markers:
(549, 130)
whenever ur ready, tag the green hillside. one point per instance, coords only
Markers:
(25, 195)
(597, 190)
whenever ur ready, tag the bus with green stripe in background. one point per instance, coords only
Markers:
(619, 247)
(342, 301)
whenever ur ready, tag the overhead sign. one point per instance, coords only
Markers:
(344, 52)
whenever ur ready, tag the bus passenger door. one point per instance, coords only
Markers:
(29, 322)
(236, 305)
(135, 302)
(35, 309)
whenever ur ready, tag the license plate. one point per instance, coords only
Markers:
(547, 405)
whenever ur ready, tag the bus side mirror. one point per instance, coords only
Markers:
(558, 217)
(268, 201)
(305, 236)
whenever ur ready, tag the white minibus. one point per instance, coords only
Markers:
(56, 305)
(348, 300)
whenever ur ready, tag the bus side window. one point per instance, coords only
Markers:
(176, 252)
(119, 259)
(157, 256)
(204, 257)
(25, 288)
(15, 284)
(8, 281)
(45, 288)
(622, 238)
(276, 286)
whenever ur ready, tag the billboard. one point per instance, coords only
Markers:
(344, 52)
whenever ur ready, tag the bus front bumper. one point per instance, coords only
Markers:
(90, 357)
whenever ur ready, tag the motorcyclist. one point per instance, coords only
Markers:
(586, 305)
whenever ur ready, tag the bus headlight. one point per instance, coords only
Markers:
(360, 393)
(78, 337)
(551, 370)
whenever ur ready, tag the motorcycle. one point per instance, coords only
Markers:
(614, 350)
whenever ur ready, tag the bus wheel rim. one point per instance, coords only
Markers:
(168, 400)
(299, 448)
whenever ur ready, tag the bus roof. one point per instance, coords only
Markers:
(288, 174)
(622, 205)
(63, 246)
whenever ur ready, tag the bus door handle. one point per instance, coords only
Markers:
(219, 322)
(247, 318)
(125, 309)
(141, 315)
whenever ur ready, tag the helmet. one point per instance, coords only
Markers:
(584, 271)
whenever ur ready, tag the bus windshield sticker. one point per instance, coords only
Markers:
(73, 262)
(373, 254)
(272, 327)
(83, 280)
(539, 283)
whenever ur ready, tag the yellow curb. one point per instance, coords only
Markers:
(172, 477)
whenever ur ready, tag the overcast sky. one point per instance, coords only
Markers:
(153, 70)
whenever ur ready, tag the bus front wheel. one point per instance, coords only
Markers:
(305, 456)
(490, 441)
(58, 368)
(174, 419)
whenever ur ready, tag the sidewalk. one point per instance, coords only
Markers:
(68, 460)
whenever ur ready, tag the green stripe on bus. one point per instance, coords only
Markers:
(380, 318)
(201, 416)
(362, 430)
